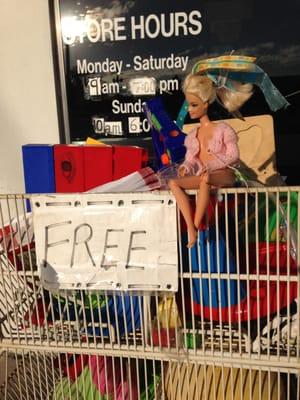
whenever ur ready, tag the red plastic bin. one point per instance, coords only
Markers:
(128, 159)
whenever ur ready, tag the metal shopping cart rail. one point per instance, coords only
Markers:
(229, 330)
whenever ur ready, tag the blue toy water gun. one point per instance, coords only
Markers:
(167, 137)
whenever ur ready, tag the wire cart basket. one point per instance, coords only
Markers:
(228, 328)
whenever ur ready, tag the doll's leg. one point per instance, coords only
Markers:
(202, 199)
(178, 187)
(222, 178)
(219, 178)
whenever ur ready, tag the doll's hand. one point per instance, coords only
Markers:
(181, 171)
(204, 171)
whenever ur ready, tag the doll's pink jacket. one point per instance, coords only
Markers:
(223, 146)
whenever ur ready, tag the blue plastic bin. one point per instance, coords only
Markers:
(213, 258)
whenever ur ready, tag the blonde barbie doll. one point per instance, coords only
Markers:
(211, 149)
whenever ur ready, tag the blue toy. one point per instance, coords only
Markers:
(167, 137)
(211, 256)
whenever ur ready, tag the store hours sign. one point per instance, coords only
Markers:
(118, 54)
(140, 27)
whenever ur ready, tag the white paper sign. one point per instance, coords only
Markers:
(121, 241)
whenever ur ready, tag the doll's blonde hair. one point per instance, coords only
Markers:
(204, 88)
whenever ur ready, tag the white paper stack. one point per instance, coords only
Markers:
(140, 181)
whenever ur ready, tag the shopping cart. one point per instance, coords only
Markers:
(191, 343)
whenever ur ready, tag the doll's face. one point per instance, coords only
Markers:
(196, 107)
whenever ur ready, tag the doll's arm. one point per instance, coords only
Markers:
(191, 165)
(231, 154)
(188, 167)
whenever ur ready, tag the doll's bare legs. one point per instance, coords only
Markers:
(178, 187)
(205, 182)
(219, 178)
(202, 199)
